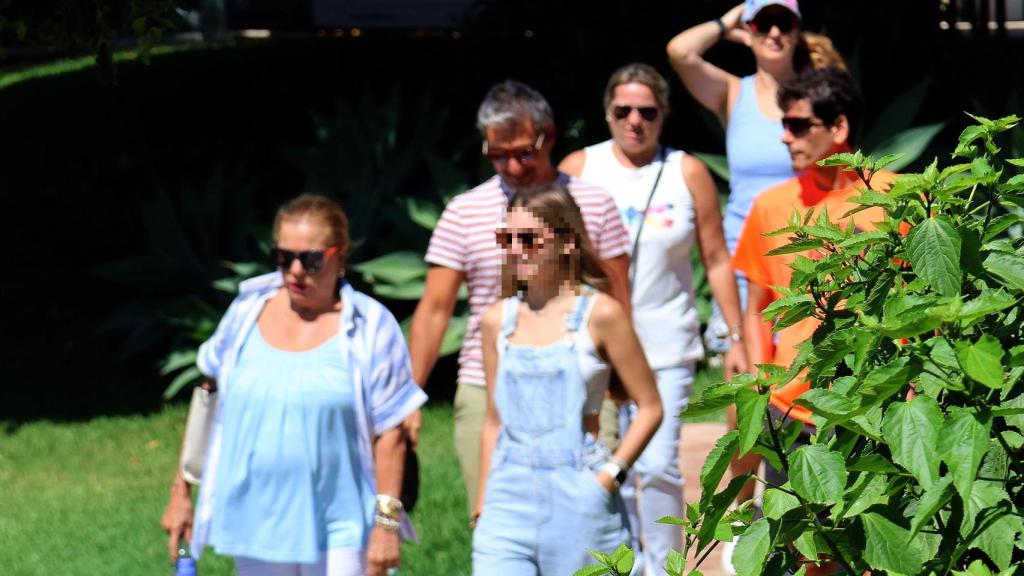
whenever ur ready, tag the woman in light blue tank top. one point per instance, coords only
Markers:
(749, 111)
(549, 489)
(304, 465)
(747, 107)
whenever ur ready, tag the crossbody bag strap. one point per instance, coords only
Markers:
(643, 218)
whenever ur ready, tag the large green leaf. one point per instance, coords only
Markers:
(963, 442)
(716, 162)
(982, 360)
(934, 250)
(716, 464)
(776, 502)
(718, 396)
(827, 403)
(888, 545)
(750, 414)
(912, 143)
(454, 335)
(897, 116)
(931, 502)
(1007, 267)
(986, 303)
(817, 474)
(393, 268)
(885, 381)
(752, 548)
(912, 431)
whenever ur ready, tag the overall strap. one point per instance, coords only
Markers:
(509, 313)
(575, 318)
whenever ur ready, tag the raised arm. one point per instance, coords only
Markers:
(715, 256)
(489, 328)
(713, 87)
(614, 336)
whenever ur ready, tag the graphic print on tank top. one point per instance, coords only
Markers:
(658, 216)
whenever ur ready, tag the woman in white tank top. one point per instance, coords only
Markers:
(667, 200)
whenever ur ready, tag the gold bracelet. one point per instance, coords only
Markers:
(389, 506)
(386, 524)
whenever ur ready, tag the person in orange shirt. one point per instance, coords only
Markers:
(821, 114)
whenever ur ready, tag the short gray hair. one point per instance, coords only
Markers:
(510, 103)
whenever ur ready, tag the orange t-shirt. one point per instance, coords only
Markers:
(770, 211)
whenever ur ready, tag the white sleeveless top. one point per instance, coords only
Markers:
(663, 307)
(594, 370)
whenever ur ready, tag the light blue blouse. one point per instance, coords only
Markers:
(371, 344)
(291, 484)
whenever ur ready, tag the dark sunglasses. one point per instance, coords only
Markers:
(529, 240)
(648, 113)
(763, 22)
(799, 126)
(312, 260)
(522, 155)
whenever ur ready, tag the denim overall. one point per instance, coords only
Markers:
(544, 508)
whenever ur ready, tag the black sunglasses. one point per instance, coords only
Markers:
(799, 126)
(783, 20)
(648, 113)
(312, 261)
(528, 240)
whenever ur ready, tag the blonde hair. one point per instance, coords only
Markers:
(325, 210)
(817, 51)
(555, 207)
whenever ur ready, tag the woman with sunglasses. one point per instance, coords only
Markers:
(747, 106)
(304, 467)
(667, 200)
(548, 487)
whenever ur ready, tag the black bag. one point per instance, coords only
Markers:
(411, 478)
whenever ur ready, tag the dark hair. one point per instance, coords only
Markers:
(313, 207)
(510, 103)
(832, 92)
(555, 206)
(641, 74)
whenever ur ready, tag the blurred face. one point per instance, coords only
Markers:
(309, 263)
(774, 34)
(529, 247)
(634, 118)
(807, 137)
(520, 154)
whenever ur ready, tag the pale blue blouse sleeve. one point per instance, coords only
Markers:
(211, 353)
(393, 393)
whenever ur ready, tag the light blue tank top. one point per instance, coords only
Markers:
(758, 159)
(290, 484)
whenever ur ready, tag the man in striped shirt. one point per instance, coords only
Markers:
(519, 131)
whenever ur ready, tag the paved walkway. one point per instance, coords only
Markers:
(697, 442)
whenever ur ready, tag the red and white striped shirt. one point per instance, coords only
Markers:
(464, 241)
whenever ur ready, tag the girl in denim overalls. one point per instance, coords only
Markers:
(548, 489)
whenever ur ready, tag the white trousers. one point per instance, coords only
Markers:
(656, 475)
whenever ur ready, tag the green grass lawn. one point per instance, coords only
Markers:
(86, 498)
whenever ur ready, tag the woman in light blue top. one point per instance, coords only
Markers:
(304, 468)
(747, 107)
(548, 490)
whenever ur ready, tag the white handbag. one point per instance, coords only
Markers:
(201, 411)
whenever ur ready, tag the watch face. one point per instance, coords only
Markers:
(621, 476)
